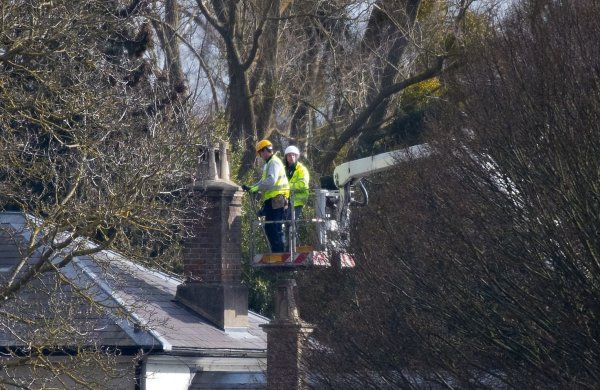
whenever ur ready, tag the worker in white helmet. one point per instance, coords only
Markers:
(298, 178)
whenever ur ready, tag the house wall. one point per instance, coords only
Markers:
(166, 373)
(161, 372)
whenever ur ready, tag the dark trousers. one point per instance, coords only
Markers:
(274, 231)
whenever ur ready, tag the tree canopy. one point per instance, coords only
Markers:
(478, 268)
(327, 76)
(95, 144)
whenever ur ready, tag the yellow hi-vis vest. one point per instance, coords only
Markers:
(299, 183)
(281, 182)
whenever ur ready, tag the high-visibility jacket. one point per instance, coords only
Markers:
(274, 167)
(299, 184)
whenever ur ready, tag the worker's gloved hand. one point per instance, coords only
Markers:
(250, 189)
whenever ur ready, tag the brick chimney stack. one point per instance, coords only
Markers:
(287, 335)
(212, 256)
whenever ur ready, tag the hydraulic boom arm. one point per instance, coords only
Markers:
(351, 171)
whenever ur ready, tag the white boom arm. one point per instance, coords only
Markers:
(348, 174)
(356, 169)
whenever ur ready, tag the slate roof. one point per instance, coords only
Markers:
(154, 320)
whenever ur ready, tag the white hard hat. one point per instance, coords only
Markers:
(292, 149)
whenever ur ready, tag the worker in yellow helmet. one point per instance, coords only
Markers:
(275, 189)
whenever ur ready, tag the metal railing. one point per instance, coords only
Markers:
(300, 234)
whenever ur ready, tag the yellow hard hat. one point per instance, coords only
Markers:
(265, 143)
